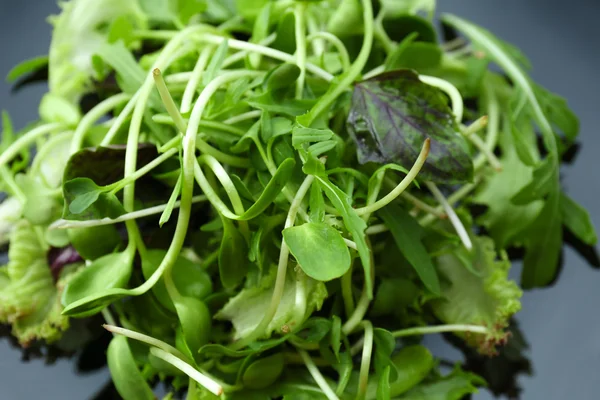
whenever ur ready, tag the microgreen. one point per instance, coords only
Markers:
(282, 194)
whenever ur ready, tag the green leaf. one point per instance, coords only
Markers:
(286, 106)
(131, 76)
(505, 220)
(189, 8)
(233, 260)
(166, 214)
(558, 112)
(249, 9)
(391, 117)
(355, 225)
(195, 320)
(27, 67)
(455, 386)
(264, 372)
(302, 135)
(385, 344)
(335, 336)
(121, 29)
(319, 249)
(543, 240)
(314, 330)
(29, 298)
(383, 387)
(286, 37)
(105, 165)
(54, 108)
(412, 365)
(41, 206)
(215, 64)
(542, 183)
(85, 200)
(107, 272)
(488, 298)
(417, 55)
(281, 77)
(394, 294)
(577, 220)
(407, 235)
(317, 204)
(126, 376)
(85, 240)
(260, 31)
(347, 20)
(509, 59)
(247, 308)
(189, 278)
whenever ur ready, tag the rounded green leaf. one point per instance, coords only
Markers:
(319, 249)
(85, 240)
(126, 376)
(190, 279)
(107, 272)
(196, 324)
(413, 364)
(264, 372)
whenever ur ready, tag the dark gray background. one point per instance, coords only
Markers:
(562, 323)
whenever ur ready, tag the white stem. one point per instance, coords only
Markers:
(204, 380)
(458, 107)
(317, 376)
(454, 220)
(65, 224)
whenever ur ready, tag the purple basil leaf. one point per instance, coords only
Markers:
(392, 115)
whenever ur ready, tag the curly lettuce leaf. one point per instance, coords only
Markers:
(10, 212)
(79, 30)
(29, 298)
(247, 308)
(478, 292)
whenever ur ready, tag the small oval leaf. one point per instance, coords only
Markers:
(264, 372)
(126, 376)
(319, 249)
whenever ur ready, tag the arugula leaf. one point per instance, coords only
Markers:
(407, 235)
(454, 386)
(577, 220)
(26, 67)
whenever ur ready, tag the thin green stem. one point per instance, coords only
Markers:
(115, 187)
(458, 107)
(347, 295)
(140, 337)
(207, 382)
(266, 51)
(317, 376)
(43, 154)
(194, 81)
(300, 30)
(168, 101)
(26, 140)
(146, 212)
(337, 43)
(9, 180)
(225, 158)
(359, 313)
(424, 330)
(120, 120)
(243, 117)
(402, 186)
(94, 115)
(452, 199)
(346, 80)
(284, 254)
(454, 220)
(365, 362)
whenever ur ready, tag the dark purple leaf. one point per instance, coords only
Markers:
(392, 115)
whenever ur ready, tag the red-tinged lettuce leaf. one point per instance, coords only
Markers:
(486, 298)
(105, 165)
(392, 115)
(29, 297)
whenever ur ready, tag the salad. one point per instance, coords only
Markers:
(278, 199)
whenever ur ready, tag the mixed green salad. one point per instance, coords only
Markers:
(280, 199)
